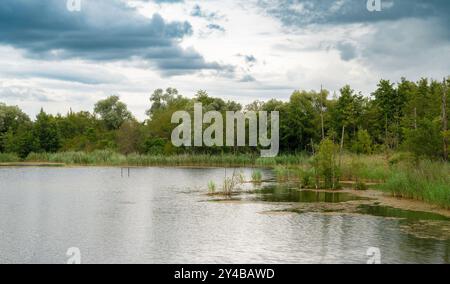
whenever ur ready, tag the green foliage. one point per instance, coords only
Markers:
(22, 142)
(129, 137)
(113, 112)
(256, 176)
(363, 143)
(11, 119)
(230, 183)
(347, 112)
(360, 185)
(306, 178)
(46, 132)
(426, 140)
(211, 187)
(325, 163)
(8, 158)
(426, 180)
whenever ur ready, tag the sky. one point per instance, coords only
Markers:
(57, 58)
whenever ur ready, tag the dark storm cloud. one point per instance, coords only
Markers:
(216, 27)
(347, 51)
(102, 30)
(305, 12)
(404, 31)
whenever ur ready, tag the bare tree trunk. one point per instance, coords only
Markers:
(321, 112)
(323, 130)
(333, 168)
(342, 145)
(415, 118)
(386, 135)
(445, 119)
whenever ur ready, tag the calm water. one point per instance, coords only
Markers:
(163, 216)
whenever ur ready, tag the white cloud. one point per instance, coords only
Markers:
(288, 57)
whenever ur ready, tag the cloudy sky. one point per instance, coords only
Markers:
(235, 49)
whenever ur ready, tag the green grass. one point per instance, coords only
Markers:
(427, 181)
(257, 176)
(110, 158)
(211, 187)
(8, 158)
(369, 168)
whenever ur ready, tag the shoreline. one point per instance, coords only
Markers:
(63, 165)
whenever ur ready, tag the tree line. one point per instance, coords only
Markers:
(404, 116)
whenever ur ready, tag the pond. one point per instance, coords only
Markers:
(163, 215)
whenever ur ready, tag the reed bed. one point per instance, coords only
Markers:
(426, 180)
(110, 158)
(8, 158)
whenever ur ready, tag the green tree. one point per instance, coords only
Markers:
(113, 112)
(390, 103)
(22, 141)
(426, 140)
(325, 163)
(297, 122)
(46, 132)
(363, 142)
(11, 119)
(129, 137)
(347, 113)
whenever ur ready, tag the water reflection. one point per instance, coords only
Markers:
(156, 216)
(275, 193)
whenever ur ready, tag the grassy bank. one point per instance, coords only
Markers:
(8, 158)
(109, 158)
(427, 181)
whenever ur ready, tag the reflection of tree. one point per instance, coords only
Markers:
(447, 252)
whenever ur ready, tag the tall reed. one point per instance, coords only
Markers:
(426, 180)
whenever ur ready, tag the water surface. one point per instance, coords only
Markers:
(159, 215)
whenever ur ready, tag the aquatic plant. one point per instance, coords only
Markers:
(282, 173)
(211, 187)
(325, 164)
(306, 177)
(257, 176)
(426, 180)
(230, 183)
